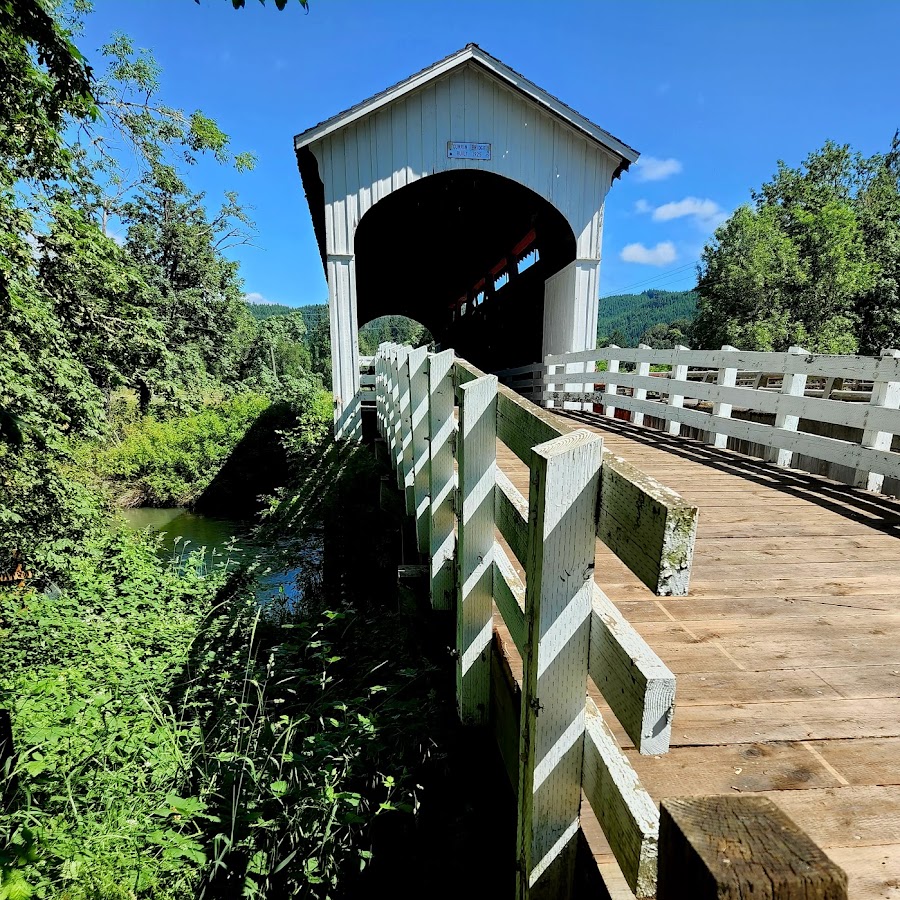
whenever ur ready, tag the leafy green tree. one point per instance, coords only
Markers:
(813, 261)
(665, 335)
(178, 251)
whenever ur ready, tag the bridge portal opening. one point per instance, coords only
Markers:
(467, 253)
(395, 329)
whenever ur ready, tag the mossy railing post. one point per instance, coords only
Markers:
(559, 585)
(476, 454)
(441, 480)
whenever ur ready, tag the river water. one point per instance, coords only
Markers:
(284, 572)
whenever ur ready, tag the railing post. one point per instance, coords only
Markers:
(884, 394)
(793, 385)
(612, 367)
(565, 479)
(476, 454)
(547, 395)
(642, 368)
(676, 401)
(727, 377)
(730, 848)
(393, 398)
(414, 377)
(441, 479)
(401, 425)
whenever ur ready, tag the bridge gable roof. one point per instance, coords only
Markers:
(474, 55)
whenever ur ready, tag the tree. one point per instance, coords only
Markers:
(665, 335)
(813, 261)
(178, 252)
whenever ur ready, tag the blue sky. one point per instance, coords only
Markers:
(711, 93)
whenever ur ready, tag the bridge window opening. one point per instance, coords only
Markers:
(485, 229)
(528, 260)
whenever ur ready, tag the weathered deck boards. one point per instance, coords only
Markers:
(787, 649)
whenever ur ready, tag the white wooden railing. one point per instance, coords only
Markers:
(715, 394)
(563, 626)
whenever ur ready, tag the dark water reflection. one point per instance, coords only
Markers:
(284, 572)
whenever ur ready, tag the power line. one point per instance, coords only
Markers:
(628, 287)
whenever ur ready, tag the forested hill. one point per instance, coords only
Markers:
(625, 318)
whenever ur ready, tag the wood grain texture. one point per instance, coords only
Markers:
(511, 514)
(647, 525)
(476, 471)
(509, 595)
(732, 848)
(634, 681)
(623, 808)
(559, 585)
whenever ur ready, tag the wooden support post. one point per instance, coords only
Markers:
(611, 368)
(676, 401)
(441, 479)
(401, 407)
(643, 368)
(549, 388)
(476, 454)
(884, 394)
(393, 396)
(565, 479)
(415, 428)
(727, 377)
(731, 848)
(793, 385)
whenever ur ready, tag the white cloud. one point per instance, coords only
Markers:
(660, 255)
(704, 212)
(642, 206)
(649, 168)
(254, 297)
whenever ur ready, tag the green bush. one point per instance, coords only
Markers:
(170, 461)
(102, 757)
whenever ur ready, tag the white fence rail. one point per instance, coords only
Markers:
(838, 410)
(563, 626)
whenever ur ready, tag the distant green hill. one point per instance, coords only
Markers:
(261, 311)
(629, 316)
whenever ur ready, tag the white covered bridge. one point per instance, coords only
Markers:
(469, 199)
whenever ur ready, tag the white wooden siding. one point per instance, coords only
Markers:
(407, 140)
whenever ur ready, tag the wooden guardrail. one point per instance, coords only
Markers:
(663, 395)
(562, 625)
(553, 738)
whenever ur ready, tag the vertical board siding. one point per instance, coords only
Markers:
(406, 141)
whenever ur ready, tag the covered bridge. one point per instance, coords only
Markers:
(469, 199)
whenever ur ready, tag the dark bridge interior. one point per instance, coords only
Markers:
(465, 253)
